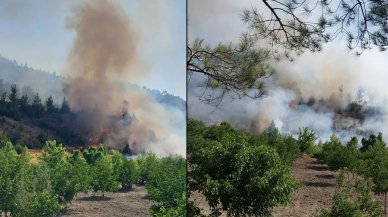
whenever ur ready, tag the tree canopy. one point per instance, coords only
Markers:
(237, 69)
(300, 25)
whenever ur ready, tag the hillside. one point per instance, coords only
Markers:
(50, 84)
(29, 124)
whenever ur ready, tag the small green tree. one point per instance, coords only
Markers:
(235, 175)
(306, 139)
(12, 169)
(145, 163)
(24, 103)
(344, 204)
(180, 210)
(376, 168)
(42, 204)
(65, 108)
(63, 177)
(50, 105)
(370, 141)
(80, 172)
(167, 181)
(103, 176)
(14, 94)
(37, 107)
(127, 174)
(124, 170)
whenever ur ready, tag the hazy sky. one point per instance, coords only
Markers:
(220, 21)
(35, 33)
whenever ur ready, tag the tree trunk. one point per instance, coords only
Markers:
(385, 203)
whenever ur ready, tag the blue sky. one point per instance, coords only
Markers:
(35, 33)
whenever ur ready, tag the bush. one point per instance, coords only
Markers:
(306, 139)
(345, 205)
(167, 181)
(237, 172)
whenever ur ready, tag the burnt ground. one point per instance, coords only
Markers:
(318, 187)
(120, 204)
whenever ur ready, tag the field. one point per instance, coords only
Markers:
(120, 204)
(317, 190)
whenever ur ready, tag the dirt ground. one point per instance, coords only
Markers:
(317, 190)
(318, 187)
(120, 204)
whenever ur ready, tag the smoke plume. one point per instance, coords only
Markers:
(329, 92)
(103, 60)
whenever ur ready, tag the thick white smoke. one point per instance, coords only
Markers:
(314, 91)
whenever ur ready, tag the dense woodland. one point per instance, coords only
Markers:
(28, 120)
(43, 187)
(44, 114)
(248, 175)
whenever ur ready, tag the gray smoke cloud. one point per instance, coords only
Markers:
(105, 56)
(314, 91)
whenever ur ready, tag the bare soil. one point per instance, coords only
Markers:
(318, 187)
(120, 204)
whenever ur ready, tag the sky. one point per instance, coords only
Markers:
(220, 21)
(35, 33)
(312, 74)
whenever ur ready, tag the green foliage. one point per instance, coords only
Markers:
(237, 172)
(286, 146)
(180, 210)
(44, 188)
(42, 204)
(25, 190)
(79, 173)
(103, 176)
(375, 162)
(371, 141)
(62, 176)
(12, 169)
(292, 27)
(243, 70)
(50, 105)
(345, 205)
(92, 155)
(332, 153)
(127, 175)
(370, 161)
(167, 181)
(124, 170)
(145, 163)
(13, 95)
(37, 107)
(306, 139)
